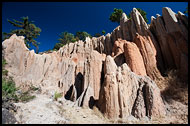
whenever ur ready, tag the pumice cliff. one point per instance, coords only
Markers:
(115, 72)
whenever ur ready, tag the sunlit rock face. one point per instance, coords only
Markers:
(125, 93)
(115, 72)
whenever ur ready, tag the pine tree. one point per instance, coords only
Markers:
(103, 32)
(82, 35)
(186, 11)
(26, 29)
(66, 37)
(143, 13)
(116, 15)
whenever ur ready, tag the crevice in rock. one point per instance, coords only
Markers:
(83, 97)
(134, 105)
(79, 82)
(120, 104)
(102, 75)
(161, 54)
(91, 102)
(59, 84)
(130, 34)
(145, 99)
(25, 63)
(161, 17)
(69, 93)
(45, 60)
(120, 59)
(73, 49)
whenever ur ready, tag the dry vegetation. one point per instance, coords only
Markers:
(175, 95)
(173, 88)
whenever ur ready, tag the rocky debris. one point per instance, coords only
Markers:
(9, 105)
(8, 117)
(43, 110)
(125, 93)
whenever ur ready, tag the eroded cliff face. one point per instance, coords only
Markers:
(114, 72)
(125, 93)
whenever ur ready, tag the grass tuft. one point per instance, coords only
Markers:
(57, 95)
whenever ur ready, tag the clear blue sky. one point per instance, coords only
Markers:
(56, 17)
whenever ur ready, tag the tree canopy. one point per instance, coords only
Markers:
(66, 37)
(26, 29)
(143, 13)
(103, 32)
(116, 15)
(186, 11)
(82, 35)
(98, 34)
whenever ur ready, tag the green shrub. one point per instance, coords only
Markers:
(3, 63)
(25, 97)
(8, 89)
(4, 72)
(57, 95)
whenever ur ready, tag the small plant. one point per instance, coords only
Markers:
(3, 63)
(57, 95)
(4, 72)
(8, 89)
(33, 88)
(103, 32)
(26, 97)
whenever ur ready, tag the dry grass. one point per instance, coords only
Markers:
(172, 88)
(98, 113)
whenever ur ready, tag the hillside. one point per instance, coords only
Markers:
(118, 78)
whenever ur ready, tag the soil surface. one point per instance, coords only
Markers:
(44, 110)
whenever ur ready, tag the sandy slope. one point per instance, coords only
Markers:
(43, 110)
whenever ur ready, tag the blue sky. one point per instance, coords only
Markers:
(92, 17)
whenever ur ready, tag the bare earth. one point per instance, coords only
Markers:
(44, 110)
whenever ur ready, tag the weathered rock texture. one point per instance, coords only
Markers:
(134, 59)
(119, 85)
(74, 69)
(163, 44)
(125, 93)
(171, 32)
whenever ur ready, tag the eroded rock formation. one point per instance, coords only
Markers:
(171, 31)
(125, 93)
(73, 70)
(114, 72)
